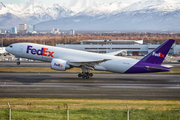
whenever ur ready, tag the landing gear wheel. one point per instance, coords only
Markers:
(83, 76)
(18, 63)
(79, 75)
(87, 76)
(90, 74)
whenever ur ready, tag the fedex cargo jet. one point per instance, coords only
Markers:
(63, 58)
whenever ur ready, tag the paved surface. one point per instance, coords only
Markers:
(68, 85)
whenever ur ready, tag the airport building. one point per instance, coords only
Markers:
(14, 30)
(2, 50)
(132, 47)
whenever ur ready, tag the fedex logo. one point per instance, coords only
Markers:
(59, 65)
(157, 54)
(42, 51)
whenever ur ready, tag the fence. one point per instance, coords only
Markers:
(61, 112)
(6, 111)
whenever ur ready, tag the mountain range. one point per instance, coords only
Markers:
(145, 15)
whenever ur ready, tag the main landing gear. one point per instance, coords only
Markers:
(85, 73)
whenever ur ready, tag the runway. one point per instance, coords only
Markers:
(68, 85)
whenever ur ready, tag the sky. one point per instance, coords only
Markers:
(63, 1)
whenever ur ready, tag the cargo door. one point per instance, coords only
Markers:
(21, 50)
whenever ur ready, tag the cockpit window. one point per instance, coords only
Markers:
(11, 46)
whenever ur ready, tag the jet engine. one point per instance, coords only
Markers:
(59, 64)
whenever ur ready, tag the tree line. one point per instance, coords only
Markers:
(152, 38)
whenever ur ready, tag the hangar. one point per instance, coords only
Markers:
(133, 47)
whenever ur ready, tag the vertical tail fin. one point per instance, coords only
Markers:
(157, 56)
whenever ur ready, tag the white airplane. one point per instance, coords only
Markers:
(63, 58)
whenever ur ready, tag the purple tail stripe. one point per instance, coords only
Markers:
(157, 56)
(152, 62)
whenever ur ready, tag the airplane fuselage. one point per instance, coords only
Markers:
(47, 53)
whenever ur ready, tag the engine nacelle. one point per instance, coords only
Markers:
(58, 64)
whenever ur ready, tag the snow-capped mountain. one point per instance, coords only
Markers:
(57, 11)
(26, 9)
(160, 5)
(80, 5)
(93, 7)
(104, 8)
(2, 5)
(91, 15)
(38, 10)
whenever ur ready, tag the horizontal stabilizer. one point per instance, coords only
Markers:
(168, 66)
(156, 68)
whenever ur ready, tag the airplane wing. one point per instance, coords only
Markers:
(116, 52)
(89, 64)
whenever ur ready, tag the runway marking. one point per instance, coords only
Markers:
(99, 86)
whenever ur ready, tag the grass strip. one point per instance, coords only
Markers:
(55, 103)
(42, 70)
(90, 109)
(73, 70)
(92, 114)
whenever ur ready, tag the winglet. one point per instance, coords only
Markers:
(157, 56)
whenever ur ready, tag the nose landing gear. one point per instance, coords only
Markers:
(18, 62)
